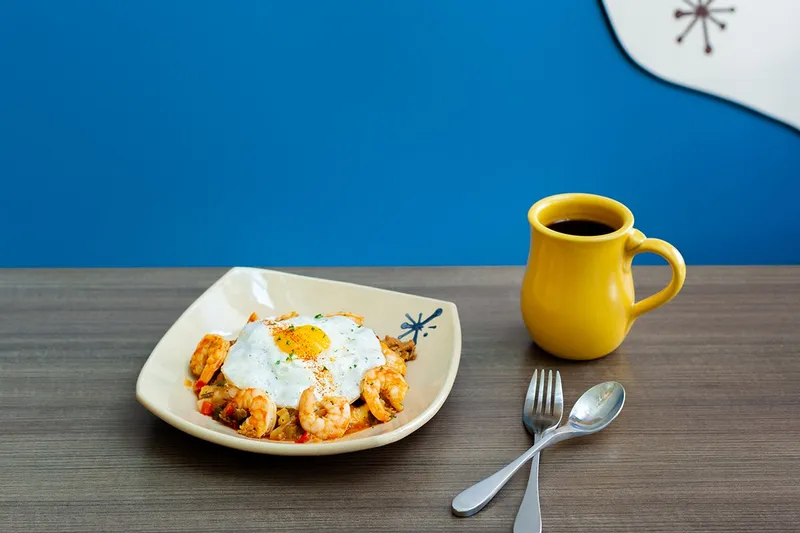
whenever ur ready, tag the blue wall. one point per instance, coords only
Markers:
(358, 133)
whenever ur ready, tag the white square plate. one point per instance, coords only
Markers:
(224, 309)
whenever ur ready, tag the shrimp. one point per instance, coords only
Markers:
(358, 319)
(383, 382)
(216, 352)
(262, 412)
(393, 360)
(326, 419)
(209, 348)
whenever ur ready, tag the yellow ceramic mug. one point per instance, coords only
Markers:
(577, 293)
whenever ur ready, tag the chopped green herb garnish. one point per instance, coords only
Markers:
(278, 362)
(318, 316)
(278, 339)
(324, 368)
(313, 328)
(287, 343)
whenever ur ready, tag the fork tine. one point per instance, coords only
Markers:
(558, 408)
(530, 397)
(540, 399)
(549, 404)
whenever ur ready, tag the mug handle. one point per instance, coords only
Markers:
(637, 244)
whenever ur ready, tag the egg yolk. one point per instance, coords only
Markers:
(306, 342)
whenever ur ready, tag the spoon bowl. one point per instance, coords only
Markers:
(597, 407)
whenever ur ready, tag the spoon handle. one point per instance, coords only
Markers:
(475, 498)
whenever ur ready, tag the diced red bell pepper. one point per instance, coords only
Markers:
(199, 385)
(206, 408)
(305, 437)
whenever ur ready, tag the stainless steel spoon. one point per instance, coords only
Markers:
(593, 411)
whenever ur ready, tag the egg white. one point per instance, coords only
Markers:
(256, 361)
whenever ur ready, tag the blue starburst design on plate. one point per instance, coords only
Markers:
(416, 326)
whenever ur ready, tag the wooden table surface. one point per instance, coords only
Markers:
(709, 439)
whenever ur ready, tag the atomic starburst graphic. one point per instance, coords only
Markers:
(703, 12)
(416, 325)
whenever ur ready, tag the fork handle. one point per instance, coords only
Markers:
(529, 516)
(475, 498)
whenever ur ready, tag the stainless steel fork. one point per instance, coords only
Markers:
(538, 423)
(544, 413)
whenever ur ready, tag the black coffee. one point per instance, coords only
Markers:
(583, 228)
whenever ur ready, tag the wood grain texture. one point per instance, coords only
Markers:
(709, 440)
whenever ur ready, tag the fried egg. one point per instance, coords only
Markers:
(285, 358)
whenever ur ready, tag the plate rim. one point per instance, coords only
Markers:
(309, 449)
